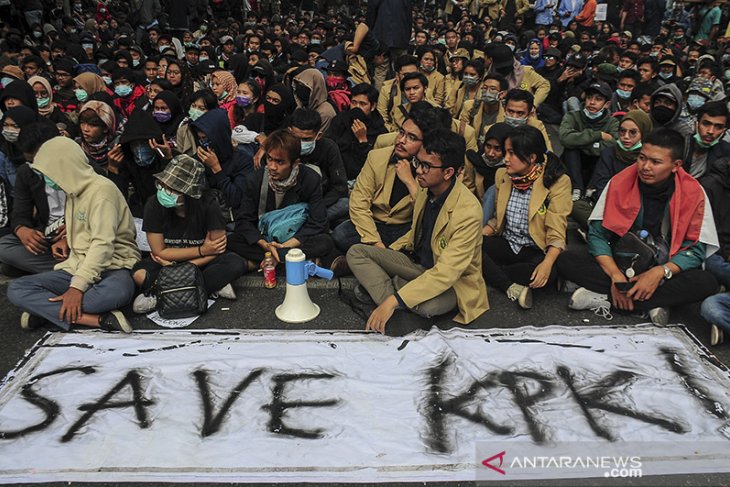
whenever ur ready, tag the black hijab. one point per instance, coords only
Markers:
(170, 128)
(275, 116)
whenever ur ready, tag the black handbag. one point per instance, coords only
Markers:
(634, 255)
(180, 291)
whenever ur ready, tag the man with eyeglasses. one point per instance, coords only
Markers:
(436, 266)
(381, 203)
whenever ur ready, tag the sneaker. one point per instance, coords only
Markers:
(521, 294)
(717, 336)
(363, 295)
(583, 299)
(582, 234)
(227, 292)
(144, 304)
(339, 266)
(575, 196)
(114, 321)
(659, 316)
(30, 322)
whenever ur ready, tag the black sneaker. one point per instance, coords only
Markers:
(363, 296)
(30, 322)
(114, 321)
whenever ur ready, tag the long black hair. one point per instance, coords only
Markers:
(528, 141)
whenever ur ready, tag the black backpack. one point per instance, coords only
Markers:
(181, 291)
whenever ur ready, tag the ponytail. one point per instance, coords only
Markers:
(553, 169)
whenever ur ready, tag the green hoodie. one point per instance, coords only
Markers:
(99, 226)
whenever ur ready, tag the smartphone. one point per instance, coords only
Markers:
(624, 286)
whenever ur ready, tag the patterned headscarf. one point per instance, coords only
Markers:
(229, 84)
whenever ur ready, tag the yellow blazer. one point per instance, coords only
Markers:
(436, 87)
(456, 243)
(370, 198)
(548, 210)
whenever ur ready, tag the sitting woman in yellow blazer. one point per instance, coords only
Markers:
(528, 232)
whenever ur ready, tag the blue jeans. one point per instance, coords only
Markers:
(345, 235)
(338, 211)
(31, 293)
(716, 310)
(489, 206)
(720, 268)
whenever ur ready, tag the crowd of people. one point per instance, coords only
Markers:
(428, 149)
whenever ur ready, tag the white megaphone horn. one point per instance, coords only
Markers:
(297, 307)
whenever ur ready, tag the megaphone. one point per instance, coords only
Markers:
(297, 307)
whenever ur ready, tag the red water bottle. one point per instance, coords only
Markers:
(269, 267)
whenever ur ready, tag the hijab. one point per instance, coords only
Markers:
(229, 85)
(48, 109)
(91, 83)
(170, 128)
(643, 121)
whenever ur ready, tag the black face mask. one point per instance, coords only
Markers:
(303, 93)
(505, 71)
(662, 114)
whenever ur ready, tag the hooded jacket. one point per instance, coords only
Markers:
(22, 91)
(684, 126)
(231, 180)
(312, 79)
(99, 227)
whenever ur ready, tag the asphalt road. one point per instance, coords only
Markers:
(255, 309)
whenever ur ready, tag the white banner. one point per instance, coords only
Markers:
(283, 406)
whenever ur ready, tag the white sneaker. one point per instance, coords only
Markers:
(521, 294)
(144, 304)
(226, 292)
(583, 299)
(659, 316)
(717, 336)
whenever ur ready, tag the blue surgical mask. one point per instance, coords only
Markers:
(623, 94)
(664, 75)
(50, 183)
(123, 90)
(703, 144)
(81, 95)
(166, 199)
(223, 95)
(195, 114)
(633, 148)
(107, 80)
(143, 154)
(695, 101)
(11, 135)
(308, 147)
(6, 81)
(593, 116)
(135, 62)
(43, 102)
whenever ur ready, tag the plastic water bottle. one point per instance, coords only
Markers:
(269, 267)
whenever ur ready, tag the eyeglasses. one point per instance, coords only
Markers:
(409, 137)
(425, 166)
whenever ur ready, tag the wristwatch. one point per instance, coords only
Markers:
(667, 272)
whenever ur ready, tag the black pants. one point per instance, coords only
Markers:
(580, 167)
(313, 247)
(222, 270)
(684, 288)
(501, 267)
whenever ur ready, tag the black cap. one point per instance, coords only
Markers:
(577, 60)
(601, 88)
(554, 53)
(338, 66)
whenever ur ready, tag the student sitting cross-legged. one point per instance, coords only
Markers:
(656, 201)
(185, 224)
(436, 266)
(528, 232)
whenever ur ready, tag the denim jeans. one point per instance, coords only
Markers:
(720, 268)
(31, 293)
(716, 310)
(12, 252)
(338, 211)
(489, 206)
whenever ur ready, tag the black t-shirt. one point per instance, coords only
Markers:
(182, 232)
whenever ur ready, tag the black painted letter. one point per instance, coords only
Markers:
(212, 422)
